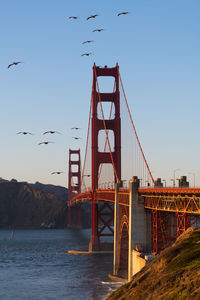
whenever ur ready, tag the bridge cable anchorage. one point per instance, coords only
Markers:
(110, 115)
(134, 127)
(87, 140)
(104, 123)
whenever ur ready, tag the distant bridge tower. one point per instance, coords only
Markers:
(99, 158)
(74, 184)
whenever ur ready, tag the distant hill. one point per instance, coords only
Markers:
(22, 206)
(36, 205)
(57, 190)
(173, 274)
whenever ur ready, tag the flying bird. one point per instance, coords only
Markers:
(99, 30)
(57, 173)
(123, 13)
(72, 17)
(24, 132)
(51, 132)
(87, 42)
(76, 128)
(76, 138)
(92, 17)
(45, 143)
(86, 54)
(15, 63)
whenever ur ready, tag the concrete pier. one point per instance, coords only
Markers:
(139, 229)
(116, 230)
(139, 232)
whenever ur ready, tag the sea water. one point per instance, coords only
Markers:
(34, 264)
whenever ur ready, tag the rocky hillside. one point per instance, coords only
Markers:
(22, 206)
(58, 191)
(173, 274)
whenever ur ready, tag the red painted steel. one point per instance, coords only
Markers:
(97, 124)
(155, 231)
(173, 210)
(171, 200)
(183, 223)
(163, 231)
(99, 158)
(74, 215)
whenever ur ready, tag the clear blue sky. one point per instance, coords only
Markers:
(157, 47)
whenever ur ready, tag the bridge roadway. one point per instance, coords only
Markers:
(180, 200)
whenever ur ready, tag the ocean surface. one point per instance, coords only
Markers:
(34, 264)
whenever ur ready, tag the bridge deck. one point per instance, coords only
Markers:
(182, 200)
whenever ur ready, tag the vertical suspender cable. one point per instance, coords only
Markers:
(86, 148)
(135, 129)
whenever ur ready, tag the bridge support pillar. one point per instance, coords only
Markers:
(139, 226)
(116, 231)
(94, 244)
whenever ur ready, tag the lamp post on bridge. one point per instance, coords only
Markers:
(174, 183)
(140, 181)
(193, 177)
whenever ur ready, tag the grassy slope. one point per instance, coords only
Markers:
(173, 274)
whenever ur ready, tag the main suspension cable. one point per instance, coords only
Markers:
(86, 148)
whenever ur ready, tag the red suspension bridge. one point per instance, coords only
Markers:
(147, 218)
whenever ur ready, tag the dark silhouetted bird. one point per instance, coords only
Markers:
(98, 30)
(57, 173)
(15, 63)
(76, 138)
(72, 17)
(76, 128)
(24, 132)
(123, 13)
(92, 17)
(86, 54)
(87, 42)
(51, 132)
(46, 143)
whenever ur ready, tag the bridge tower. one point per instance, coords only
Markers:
(74, 184)
(99, 158)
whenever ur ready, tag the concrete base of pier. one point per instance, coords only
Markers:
(103, 248)
(117, 278)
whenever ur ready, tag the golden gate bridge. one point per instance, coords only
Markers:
(116, 179)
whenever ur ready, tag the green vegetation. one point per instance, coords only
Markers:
(173, 274)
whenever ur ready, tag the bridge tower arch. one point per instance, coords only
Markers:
(124, 247)
(98, 157)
